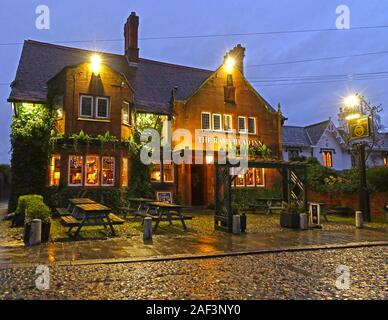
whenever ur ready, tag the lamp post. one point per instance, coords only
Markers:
(354, 105)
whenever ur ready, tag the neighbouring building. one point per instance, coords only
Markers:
(327, 143)
(125, 86)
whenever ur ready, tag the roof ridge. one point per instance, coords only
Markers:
(174, 65)
(318, 123)
(48, 44)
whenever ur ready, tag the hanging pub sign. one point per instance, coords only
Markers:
(359, 128)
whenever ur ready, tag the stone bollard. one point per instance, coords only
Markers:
(303, 221)
(236, 224)
(36, 232)
(359, 219)
(147, 235)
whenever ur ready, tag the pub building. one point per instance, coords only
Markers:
(101, 92)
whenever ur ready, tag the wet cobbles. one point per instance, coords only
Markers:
(291, 275)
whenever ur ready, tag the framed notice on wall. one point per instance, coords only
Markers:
(164, 196)
(315, 214)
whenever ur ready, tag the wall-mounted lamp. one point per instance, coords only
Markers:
(95, 64)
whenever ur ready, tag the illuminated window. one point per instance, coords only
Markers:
(75, 170)
(125, 113)
(229, 80)
(240, 180)
(205, 121)
(108, 171)
(217, 125)
(250, 178)
(386, 160)
(86, 106)
(228, 122)
(259, 177)
(327, 158)
(58, 106)
(242, 126)
(155, 173)
(251, 125)
(102, 106)
(92, 170)
(124, 173)
(55, 170)
(168, 172)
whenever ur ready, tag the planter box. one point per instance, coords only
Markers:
(289, 220)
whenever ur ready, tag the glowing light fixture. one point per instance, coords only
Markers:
(352, 101)
(209, 159)
(352, 116)
(95, 64)
(230, 63)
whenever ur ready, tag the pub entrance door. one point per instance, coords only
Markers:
(197, 185)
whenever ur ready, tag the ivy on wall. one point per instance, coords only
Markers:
(30, 144)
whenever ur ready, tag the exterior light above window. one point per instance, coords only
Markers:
(95, 64)
(229, 64)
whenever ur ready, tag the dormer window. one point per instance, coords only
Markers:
(86, 108)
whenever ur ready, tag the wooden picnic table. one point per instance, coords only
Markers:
(93, 214)
(165, 211)
(75, 201)
(139, 210)
(270, 204)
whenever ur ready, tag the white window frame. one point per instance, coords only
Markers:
(245, 124)
(254, 178)
(126, 104)
(107, 106)
(210, 121)
(102, 171)
(221, 123)
(80, 106)
(254, 123)
(68, 170)
(231, 122)
(98, 170)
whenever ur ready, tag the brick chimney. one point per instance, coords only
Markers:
(237, 53)
(131, 28)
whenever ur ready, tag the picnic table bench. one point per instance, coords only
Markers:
(139, 211)
(270, 204)
(91, 214)
(164, 211)
(71, 208)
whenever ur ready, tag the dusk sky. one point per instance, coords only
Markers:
(302, 103)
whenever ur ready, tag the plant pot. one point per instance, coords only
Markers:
(26, 234)
(46, 227)
(289, 220)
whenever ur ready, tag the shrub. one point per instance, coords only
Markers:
(24, 201)
(378, 179)
(37, 209)
(245, 197)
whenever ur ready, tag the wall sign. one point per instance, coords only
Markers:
(359, 128)
(164, 196)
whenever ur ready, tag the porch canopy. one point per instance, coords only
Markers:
(294, 180)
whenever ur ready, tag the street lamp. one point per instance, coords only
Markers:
(353, 105)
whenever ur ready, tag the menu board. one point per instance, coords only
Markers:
(164, 196)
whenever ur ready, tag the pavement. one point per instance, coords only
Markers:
(164, 247)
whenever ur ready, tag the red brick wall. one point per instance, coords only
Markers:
(377, 200)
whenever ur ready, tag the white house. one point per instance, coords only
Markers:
(326, 142)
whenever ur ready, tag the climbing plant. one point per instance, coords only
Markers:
(30, 144)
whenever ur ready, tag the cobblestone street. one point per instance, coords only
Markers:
(292, 275)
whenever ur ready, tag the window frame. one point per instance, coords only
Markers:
(221, 122)
(254, 178)
(126, 105)
(231, 122)
(325, 153)
(263, 173)
(245, 124)
(69, 172)
(107, 108)
(210, 121)
(102, 171)
(91, 104)
(254, 124)
(99, 176)
(52, 170)
(167, 163)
